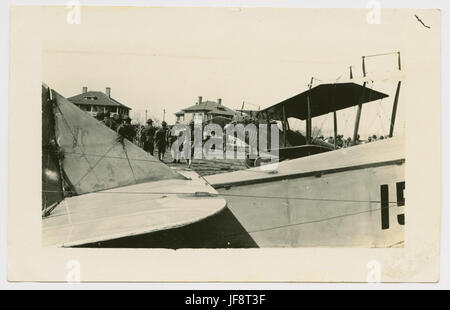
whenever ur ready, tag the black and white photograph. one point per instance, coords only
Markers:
(235, 130)
(243, 141)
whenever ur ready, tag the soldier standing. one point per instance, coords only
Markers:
(192, 145)
(149, 133)
(108, 121)
(161, 140)
(125, 130)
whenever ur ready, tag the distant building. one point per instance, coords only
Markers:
(207, 110)
(96, 101)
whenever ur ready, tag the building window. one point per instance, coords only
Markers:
(90, 98)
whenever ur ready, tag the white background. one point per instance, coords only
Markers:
(4, 89)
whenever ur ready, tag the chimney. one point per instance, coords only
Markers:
(219, 101)
(84, 89)
(199, 99)
(108, 91)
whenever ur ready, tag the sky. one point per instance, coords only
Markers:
(158, 59)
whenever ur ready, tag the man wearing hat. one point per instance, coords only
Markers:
(100, 115)
(125, 130)
(149, 133)
(108, 121)
(161, 140)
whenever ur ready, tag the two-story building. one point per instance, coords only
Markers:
(94, 102)
(207, 110)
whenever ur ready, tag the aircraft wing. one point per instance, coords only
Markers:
(98, 187)
(130, 210)
(324, 98)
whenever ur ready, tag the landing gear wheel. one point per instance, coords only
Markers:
(249, 163)
(258, 161)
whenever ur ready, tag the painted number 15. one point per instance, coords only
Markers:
(384, 190)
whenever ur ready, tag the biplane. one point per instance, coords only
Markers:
(322, 196)
(316, 101)
(101, 191)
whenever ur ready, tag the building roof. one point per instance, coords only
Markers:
(220, 120)
(96, 98)
(211, 107)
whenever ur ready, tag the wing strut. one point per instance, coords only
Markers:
(397, 94)
(358, 116)
(308, 121)
(335, 116)
(394, 109)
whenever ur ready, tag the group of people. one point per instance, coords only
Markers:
(374, 138)
(152, 136)
(342, 142)
(162, 138)
(112, 120)
(149, 137)
(122, 125)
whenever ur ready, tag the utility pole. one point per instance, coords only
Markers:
(145, 116)
(164, 115)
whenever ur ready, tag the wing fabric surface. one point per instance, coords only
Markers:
(94, 159)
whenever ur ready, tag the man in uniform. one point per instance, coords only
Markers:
(161, 140)
(116, 119)
(109, 122)
(192, 145)
(99, 116)
(125, 130)
(148, 136)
